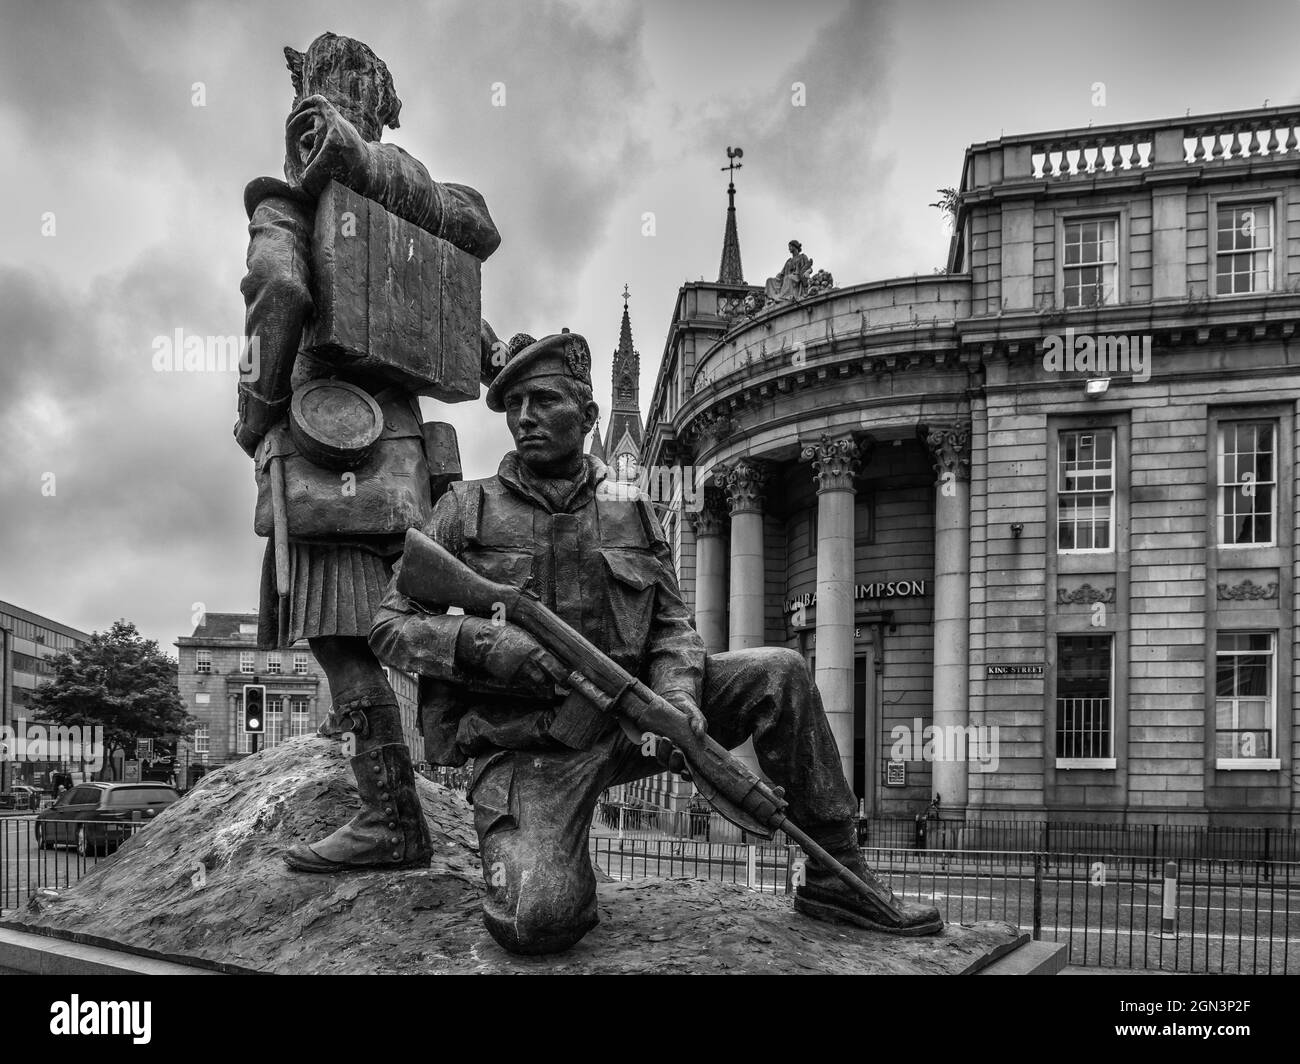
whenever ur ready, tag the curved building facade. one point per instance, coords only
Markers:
(1031, 522)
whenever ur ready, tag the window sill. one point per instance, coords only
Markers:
(1085, 762)
(1257, 764)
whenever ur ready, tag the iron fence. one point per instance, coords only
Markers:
(1227, 916)
(33, 858)
(1156, 841)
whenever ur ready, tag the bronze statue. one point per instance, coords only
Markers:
(792, 281)
(550, 523)
(335, 509)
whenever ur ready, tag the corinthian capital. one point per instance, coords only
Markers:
(743, 480)
(949, 448)
(711, 518)
(834, 462)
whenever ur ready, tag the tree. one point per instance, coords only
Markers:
(118, 681)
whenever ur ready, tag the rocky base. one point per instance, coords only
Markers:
(246, 910)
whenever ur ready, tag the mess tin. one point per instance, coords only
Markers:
(334, 424)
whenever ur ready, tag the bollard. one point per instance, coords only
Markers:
(1169, 910)
(751, 866)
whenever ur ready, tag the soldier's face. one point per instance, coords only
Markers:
(548, 424)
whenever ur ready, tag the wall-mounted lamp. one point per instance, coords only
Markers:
(1094, 389)
(1016, 529)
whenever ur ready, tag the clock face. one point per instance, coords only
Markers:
(626, 466)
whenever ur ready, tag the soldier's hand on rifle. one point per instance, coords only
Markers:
(327, 144)
(695, 719)
(507, 654)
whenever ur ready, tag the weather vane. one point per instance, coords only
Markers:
(732, 166)
(733, 154)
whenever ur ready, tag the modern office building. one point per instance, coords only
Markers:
(221, 656)
(27, 642)
(1032, 520)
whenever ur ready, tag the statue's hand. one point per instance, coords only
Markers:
(327, 145)
(695, 719)
(508, 654)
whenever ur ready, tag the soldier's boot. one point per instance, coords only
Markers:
(823, 896)
(390, 830)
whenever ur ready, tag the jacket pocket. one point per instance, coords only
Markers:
(633, 576)
(491, 793)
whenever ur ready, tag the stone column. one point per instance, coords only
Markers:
(950, 451)
(710, 523)
(743, 481)
(834, 463)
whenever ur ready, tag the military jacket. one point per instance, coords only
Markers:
(599, 561)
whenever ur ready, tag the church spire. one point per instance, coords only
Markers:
(625, 432)
(730, 271)
(625, 350)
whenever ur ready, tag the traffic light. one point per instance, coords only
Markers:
(255, 708)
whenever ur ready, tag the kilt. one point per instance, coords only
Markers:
(334, 590)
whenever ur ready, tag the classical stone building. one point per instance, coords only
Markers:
(221, 656)
(1037, 511)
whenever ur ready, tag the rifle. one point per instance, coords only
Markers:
(432, 575)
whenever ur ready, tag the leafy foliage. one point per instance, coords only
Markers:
(118, 681)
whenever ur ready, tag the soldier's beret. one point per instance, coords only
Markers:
(563, 354)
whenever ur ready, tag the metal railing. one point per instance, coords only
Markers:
(642, 820)
(1110, 911)
(31, 861)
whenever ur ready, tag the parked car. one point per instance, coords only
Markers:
(97, 817)
(20, 796)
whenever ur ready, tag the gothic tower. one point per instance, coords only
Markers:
(623, 436)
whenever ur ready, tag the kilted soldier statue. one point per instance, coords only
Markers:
(362, 293)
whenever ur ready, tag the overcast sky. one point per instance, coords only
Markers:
(612, 110)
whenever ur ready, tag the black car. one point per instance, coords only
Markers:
(97, 817)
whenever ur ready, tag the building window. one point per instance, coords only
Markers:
(203, 661)
(1243, 260)
(300, 664)
(1084, 702)
(863, 530)
(812, 529)
(1085, 491)
(300, 717)
(274, 663)
(1091, 261)
(1247, 482)
(202, 741)
(274, 721)
(246, 662)
(1245, 707)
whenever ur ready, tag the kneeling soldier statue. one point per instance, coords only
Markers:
(559, 541)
